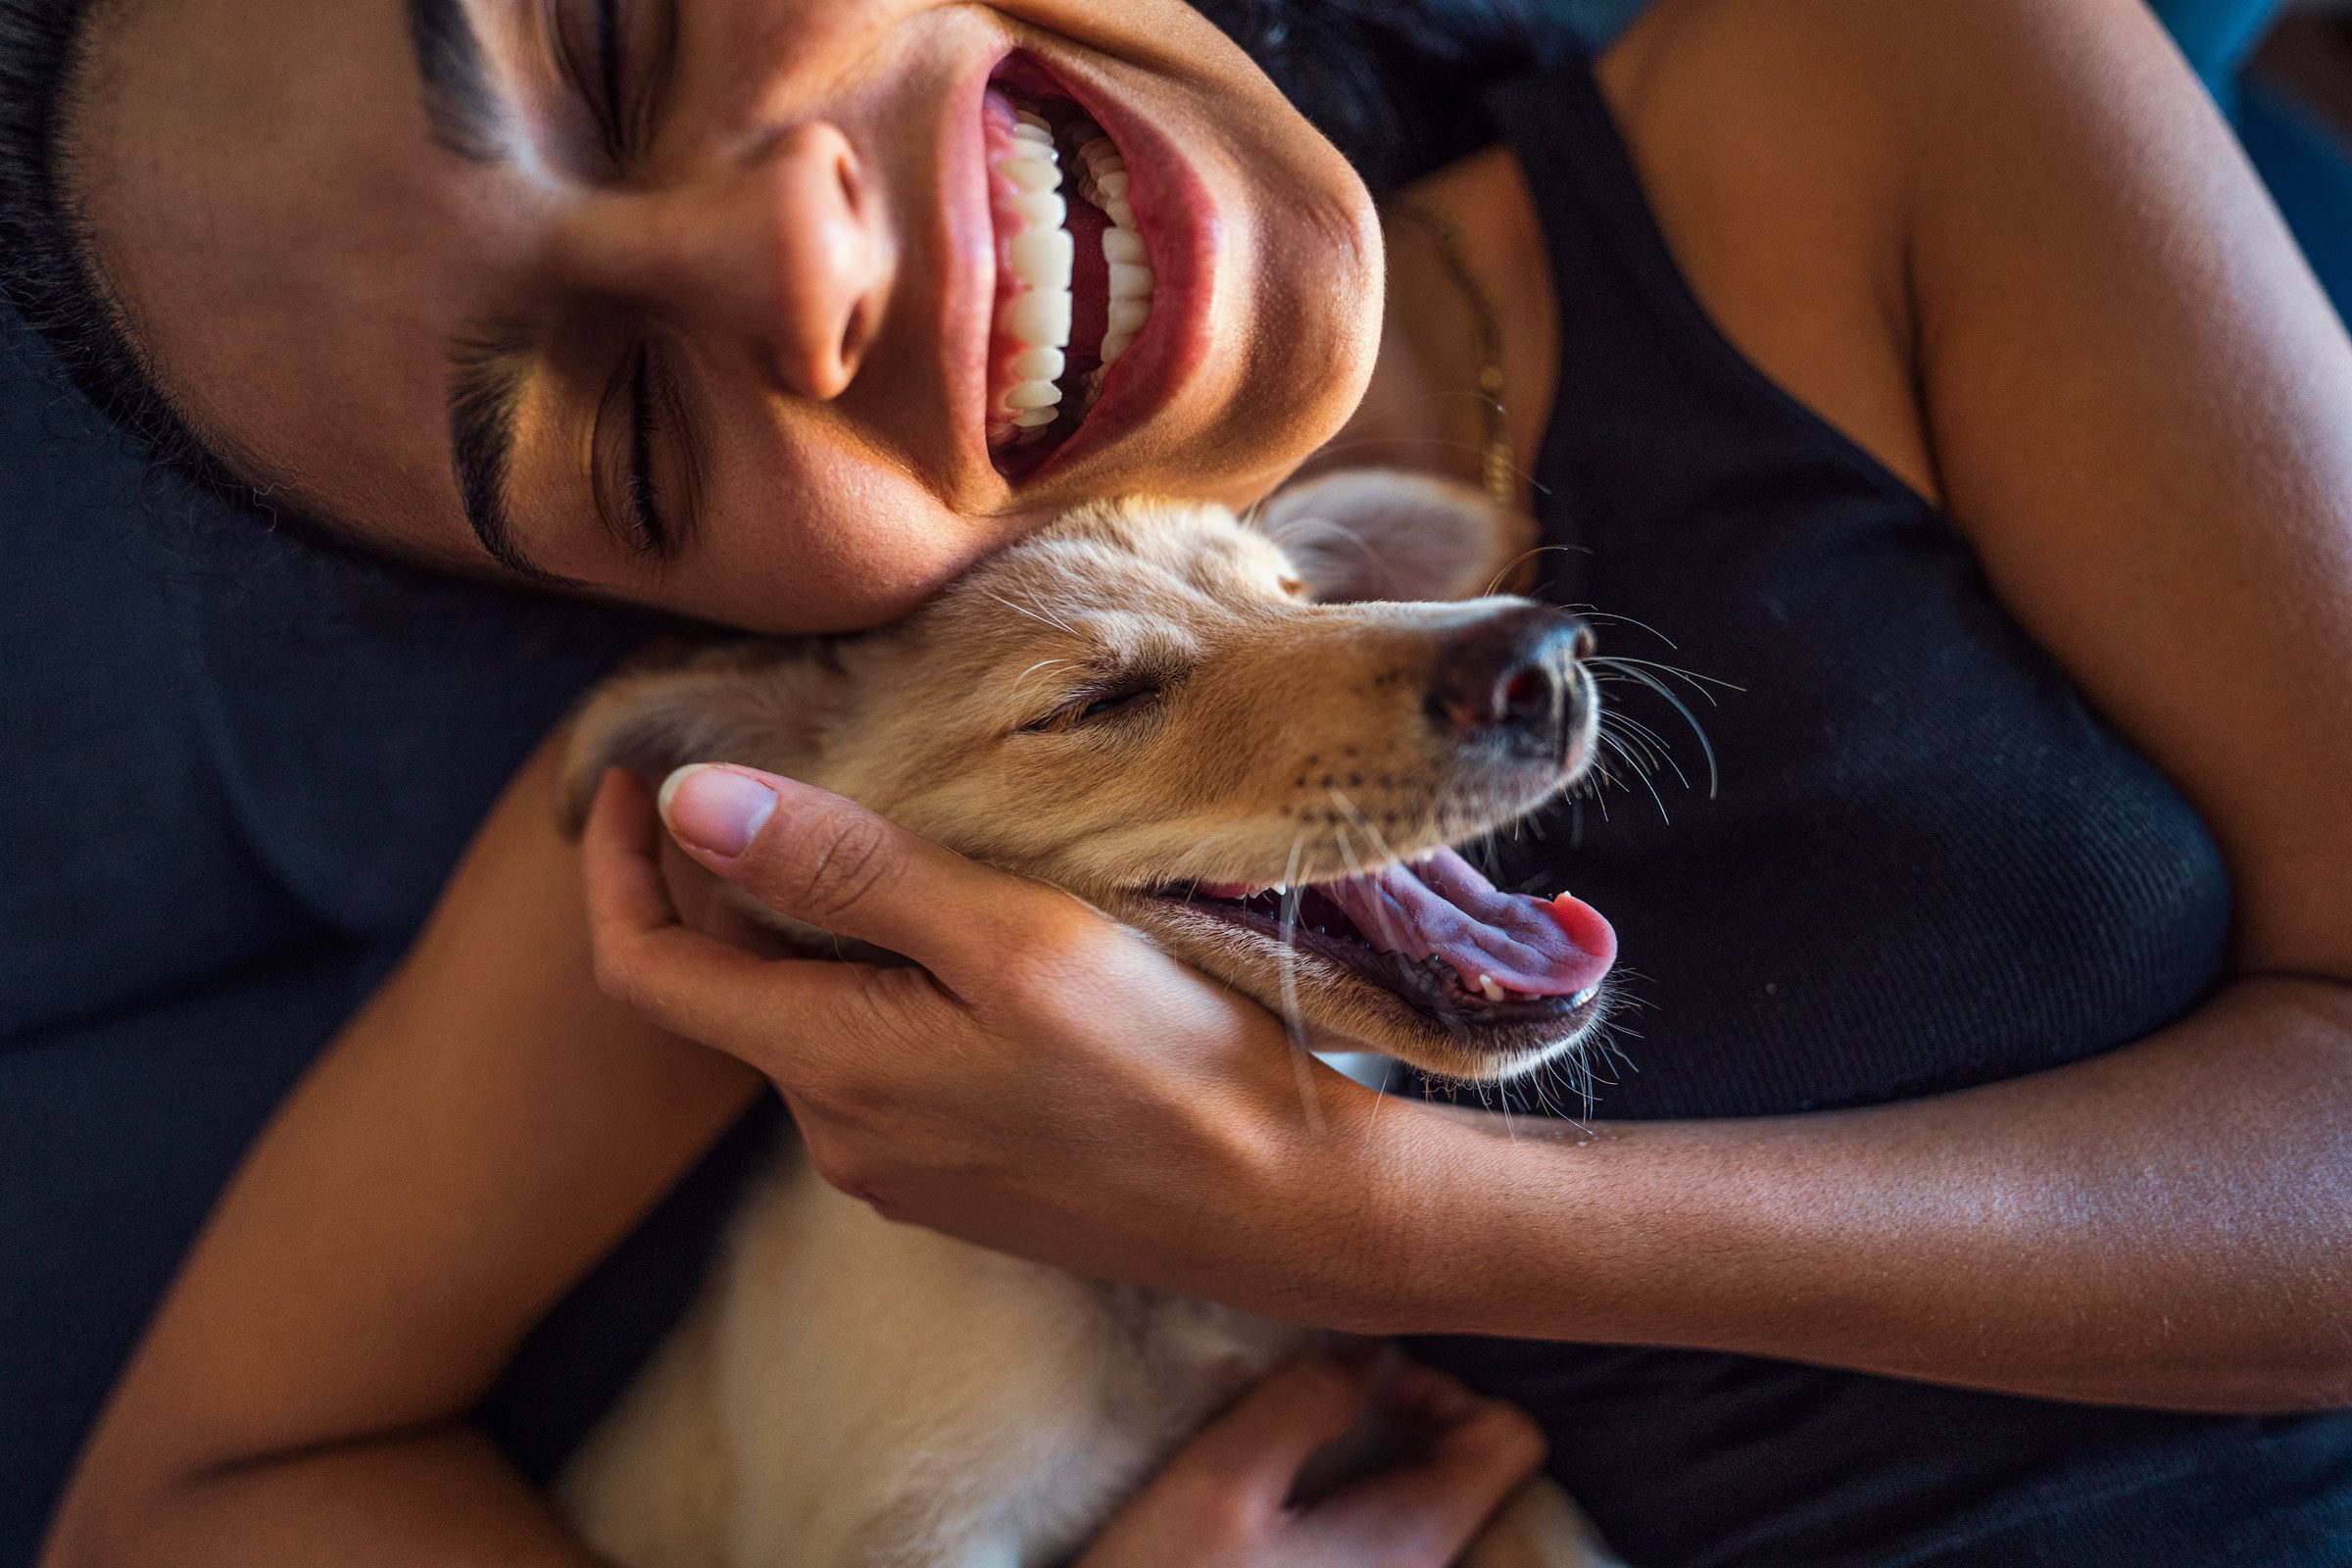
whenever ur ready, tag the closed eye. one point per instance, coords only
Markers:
(1101, 705)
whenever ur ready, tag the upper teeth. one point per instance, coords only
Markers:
(1042, 258)
(1583, 996)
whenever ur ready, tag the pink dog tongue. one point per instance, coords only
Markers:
(1441, 906)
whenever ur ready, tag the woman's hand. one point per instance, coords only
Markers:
(1053, 1086)
(1224, 1501)
(1046, 1083)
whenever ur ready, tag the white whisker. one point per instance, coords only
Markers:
(1617, 746)
(1303, 1065)
(1038, 615)
(1636, 669)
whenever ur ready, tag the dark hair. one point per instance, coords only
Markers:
(1394, 82)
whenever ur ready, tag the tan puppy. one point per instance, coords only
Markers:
(1240, 738)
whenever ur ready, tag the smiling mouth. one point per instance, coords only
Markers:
(1074, 278)
(1435, 933)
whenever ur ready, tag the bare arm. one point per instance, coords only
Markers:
(2170, 1225)
(477, 1137)
(2133, 398)
(470, 1146)
(2092, 334)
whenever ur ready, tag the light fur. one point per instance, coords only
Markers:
(854, 1394)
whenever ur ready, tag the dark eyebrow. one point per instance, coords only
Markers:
(485, 396)
(466, 115)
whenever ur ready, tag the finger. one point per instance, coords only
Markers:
(1256, 1448)
(619, 857)
(1431, 1510)
(772, 1013)
(813, 856)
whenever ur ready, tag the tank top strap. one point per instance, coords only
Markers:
(1656, 409)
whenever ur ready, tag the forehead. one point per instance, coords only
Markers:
(1132, 577)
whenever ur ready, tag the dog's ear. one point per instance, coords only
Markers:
(762, 705)
(1383, 533)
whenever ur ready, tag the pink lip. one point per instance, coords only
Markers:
(1177, 219)
(968, 312)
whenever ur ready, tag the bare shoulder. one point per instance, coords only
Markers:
(1867, 114)
(1802, 155)
(1852, 63)
(2127, 380)
(1763, 138)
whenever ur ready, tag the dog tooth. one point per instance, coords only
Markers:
(1282, 887)
(1032, 395)
(1494, 991)
(1031, 173)
(1583, 996)
(1039, 365)
(1041, 318)
(1129, 281)
(1124, 245)
(1042, 258)
(1127, 317)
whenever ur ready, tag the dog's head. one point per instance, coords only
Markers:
(1239, 738)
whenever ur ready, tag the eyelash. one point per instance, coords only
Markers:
(637, 413)
(1103, 702)
(647, 534)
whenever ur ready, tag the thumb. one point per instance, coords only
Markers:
(1254, 1451)
(1430, 1509)
(829, 863)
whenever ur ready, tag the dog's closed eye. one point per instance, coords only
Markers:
(1128, 696)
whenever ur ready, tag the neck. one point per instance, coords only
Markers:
(1423, 409)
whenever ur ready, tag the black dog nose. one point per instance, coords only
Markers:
(1512, 678)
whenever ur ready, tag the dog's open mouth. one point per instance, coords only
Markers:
(1437, 934)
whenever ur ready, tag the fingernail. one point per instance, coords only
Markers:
(716, 809)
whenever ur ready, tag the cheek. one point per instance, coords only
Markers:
(821, 542)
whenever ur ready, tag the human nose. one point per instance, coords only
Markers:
(782, 248)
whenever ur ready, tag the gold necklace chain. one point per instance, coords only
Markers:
(1498, 462)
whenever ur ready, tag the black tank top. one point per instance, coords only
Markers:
(1924, 865)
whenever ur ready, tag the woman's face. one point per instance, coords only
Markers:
(719, 305)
